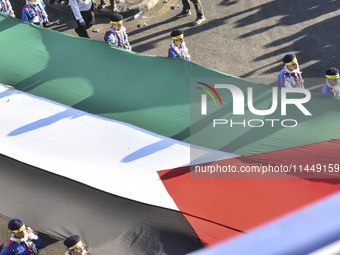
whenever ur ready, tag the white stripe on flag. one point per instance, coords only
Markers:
(109, 155)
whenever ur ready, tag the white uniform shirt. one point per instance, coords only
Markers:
(78, 6)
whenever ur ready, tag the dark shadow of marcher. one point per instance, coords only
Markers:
(228, 2)
(148, 150)
(317, 43)
(68, 113)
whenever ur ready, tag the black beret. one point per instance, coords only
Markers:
(15, 224)
(288, 58)
(332, 71)
(176, 33)
(71, 241)
(116, 17)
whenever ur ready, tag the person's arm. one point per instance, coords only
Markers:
(110, 39)
(43, 4)
(76, 11)
(127, 41)
(325, 90)
(5, 249)
(24, 15)
(106, 36)
(184, 52)
(301, 81)
(10, 9)
(281, 80)
(39, 242)
(172, 53)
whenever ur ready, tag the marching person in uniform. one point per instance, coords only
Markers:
(290, 76)
(6, 8)
(84, 16)
(23, 240)
(75, 246)
(332, 82)
(117, 32)
(34, 11)
(178, 48)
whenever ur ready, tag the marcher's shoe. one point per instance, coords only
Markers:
(198, 21)
(77, 31)
(184, 14)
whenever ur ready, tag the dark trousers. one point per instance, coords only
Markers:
(88, 17)
(197, 4)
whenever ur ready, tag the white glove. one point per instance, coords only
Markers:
(36, 19)
(32, 236)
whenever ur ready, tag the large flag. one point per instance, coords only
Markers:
(97, 144)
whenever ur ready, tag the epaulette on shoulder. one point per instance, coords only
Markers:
(8, 244)
(107, 34)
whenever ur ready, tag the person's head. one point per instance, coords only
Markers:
(178, 37)
(17, 227)
(291, 62)
(74, 245)
(332, 75)
(116, 21)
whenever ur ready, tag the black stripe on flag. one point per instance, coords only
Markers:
(108, 224)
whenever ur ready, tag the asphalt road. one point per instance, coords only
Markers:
(240, 37)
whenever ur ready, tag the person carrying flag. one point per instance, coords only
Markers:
(24, 240)
(75, 246)
(34, 12)
(290, 76)
(178, 48)
(116, 34)
(6, 8)
(332, 85)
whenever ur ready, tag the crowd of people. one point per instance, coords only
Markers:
(35, 11)
(25, 241)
